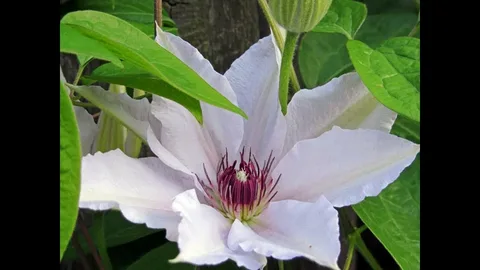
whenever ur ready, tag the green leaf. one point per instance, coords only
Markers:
(158, 259)
(394, 217)
(134, 46)
(323, 56)
(83, 59)
(167, 21)
(117, 231)
(391, 73)
(406, 128)
(378, 28)
(120, 106)
(344, 17)
(72, 41)
(133, 77)
(140, 13)
(168, 25)
(383, 6)
(70, 164)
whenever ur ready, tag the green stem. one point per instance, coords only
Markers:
(414, 30)
(361, 229)
(416, 27)
(351, 248)
(355, 239)
(83, 104)
(273, 24)
(75, 98)
(279, 39)
(280, 265)
(345, 224)
(285, 67)
(363, 250)
(79, 73)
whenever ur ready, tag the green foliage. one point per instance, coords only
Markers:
(344, 17)
(72, 41)
(323, 56)
(137, 49)
(390, 6)
(133, 77)
(116, 229)
(70, 158)
(391, 72)
(139, 13)
(158, 258)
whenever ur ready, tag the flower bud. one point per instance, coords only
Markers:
(111, 132)
(133, 144)
(299, 16)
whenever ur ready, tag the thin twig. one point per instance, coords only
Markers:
(83, 104)
(158, 14)
(91, 244)
(79, 251)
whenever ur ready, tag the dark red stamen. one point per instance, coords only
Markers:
(241, 192)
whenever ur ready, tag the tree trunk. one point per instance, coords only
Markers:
(221, 30)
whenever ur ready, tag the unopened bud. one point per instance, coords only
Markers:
(133, 144)
(299, 16)
(112, 133)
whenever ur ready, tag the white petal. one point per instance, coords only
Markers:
(344, 165)
(143, 188)
(177, 131)
(343, 102)
(153, 133)
(133, 114)
(254, 78)
(202, 235)
(225, 127)
(289, 229)
(88, 129)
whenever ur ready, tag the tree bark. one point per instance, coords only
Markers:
(221, 30)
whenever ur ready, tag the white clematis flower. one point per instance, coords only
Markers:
(247, 189)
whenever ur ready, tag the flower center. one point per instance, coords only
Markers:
(243, 191)
(241, 176)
